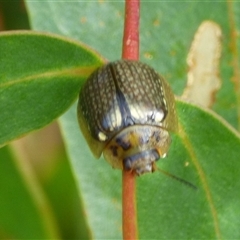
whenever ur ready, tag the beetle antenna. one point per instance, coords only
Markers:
(178, 179)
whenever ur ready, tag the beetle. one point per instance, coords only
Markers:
(126, 111)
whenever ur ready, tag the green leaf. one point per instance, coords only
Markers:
(40, 77)
(61, 190)
(20, 215)
(39, 198)
(167, 209)
(205, 153)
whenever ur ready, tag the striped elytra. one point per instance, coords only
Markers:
(125, 111)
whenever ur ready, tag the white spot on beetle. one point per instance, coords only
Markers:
(102, 137)
(164, 155)
(159, 116)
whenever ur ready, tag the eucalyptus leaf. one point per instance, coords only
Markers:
(167, 209)
(205, 152)
(40, 77)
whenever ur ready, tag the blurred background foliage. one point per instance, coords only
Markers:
(39, 159)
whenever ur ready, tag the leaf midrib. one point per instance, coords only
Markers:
(202, 176)
(80, 72)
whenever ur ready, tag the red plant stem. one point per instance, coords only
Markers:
(130, 51)
(130, 48)
(129, 209)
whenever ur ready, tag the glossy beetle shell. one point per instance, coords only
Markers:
(125, 111)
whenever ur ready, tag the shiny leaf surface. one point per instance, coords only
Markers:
(40, 77)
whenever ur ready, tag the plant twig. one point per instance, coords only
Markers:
(130, 51)
(130, 48)
(129, 212)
